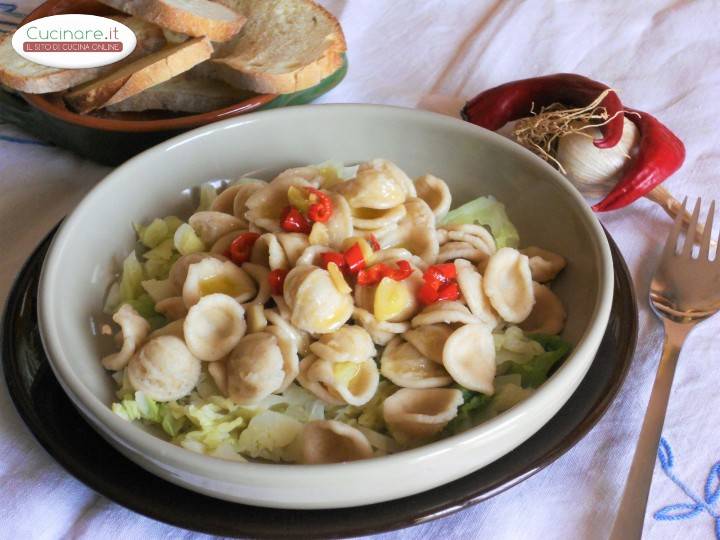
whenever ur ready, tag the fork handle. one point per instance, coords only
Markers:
(631, 514)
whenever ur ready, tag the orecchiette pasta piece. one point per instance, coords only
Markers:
(548, 314)
(179, 271)
(255, 318)
(210, 226)
(349, 344)
(222, 244)
(340, 225)
(469, 357)
(254, 368)
(174, 328)
(267, 251)
(415, 414)
(370, 219)
(214, 326)
(429, 340)
(265, 206)
(218, 373)
(293, 244)
(260, 275)
(436, 193)
(378, 184)
(471, 242)
(380, 332)
(415, 232)
(338, 383)
(445, 313)
(330, 441)
(164, 369)
(172, 308)
(405, 366)
(210, 276)
(288, 348)
(469, 281)
(311, 256)
(302, 338)
(246, 189)
(544, 264)
(225, 200)
(134, 330)
(315, 303)
(508, 284)
(281, 306)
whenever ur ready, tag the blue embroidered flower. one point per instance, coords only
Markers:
(687, 510)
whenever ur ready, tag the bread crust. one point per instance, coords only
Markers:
(179, 20)
(277, 83)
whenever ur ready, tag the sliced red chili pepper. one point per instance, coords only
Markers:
(321, 209)
(293, 221)
(354, 258)
(494, 108)
(241, 247)
(372, 239)
(332, 256)
(373, 275)
(276, 278)
(440, 274)
(427, 294)
(660, 153)
(402, 271)
(451, 291)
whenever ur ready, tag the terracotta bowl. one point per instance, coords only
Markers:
(112, 138)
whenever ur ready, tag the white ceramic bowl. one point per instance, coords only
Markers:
(544, 206)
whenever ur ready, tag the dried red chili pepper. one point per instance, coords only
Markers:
(494, 108)
(240, 248)
(321, 207)
(660, 153)
(276, 279)
(293, 221)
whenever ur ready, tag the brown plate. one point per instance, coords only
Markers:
(59, 428)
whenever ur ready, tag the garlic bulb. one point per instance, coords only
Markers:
(594, 171)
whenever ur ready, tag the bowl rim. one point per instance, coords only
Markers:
(42, 103)
(175, 456)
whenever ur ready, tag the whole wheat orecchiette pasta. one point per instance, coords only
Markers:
(329, 314)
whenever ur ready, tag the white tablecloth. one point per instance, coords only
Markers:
(663, 56)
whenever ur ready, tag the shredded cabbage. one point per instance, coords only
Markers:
(208, 194)
(186, 241)
(490, 212)
(131, 278)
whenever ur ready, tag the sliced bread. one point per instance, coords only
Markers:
(25, 76)
(192, 17)
(137, 76)
(182, 94)
(285, 46)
